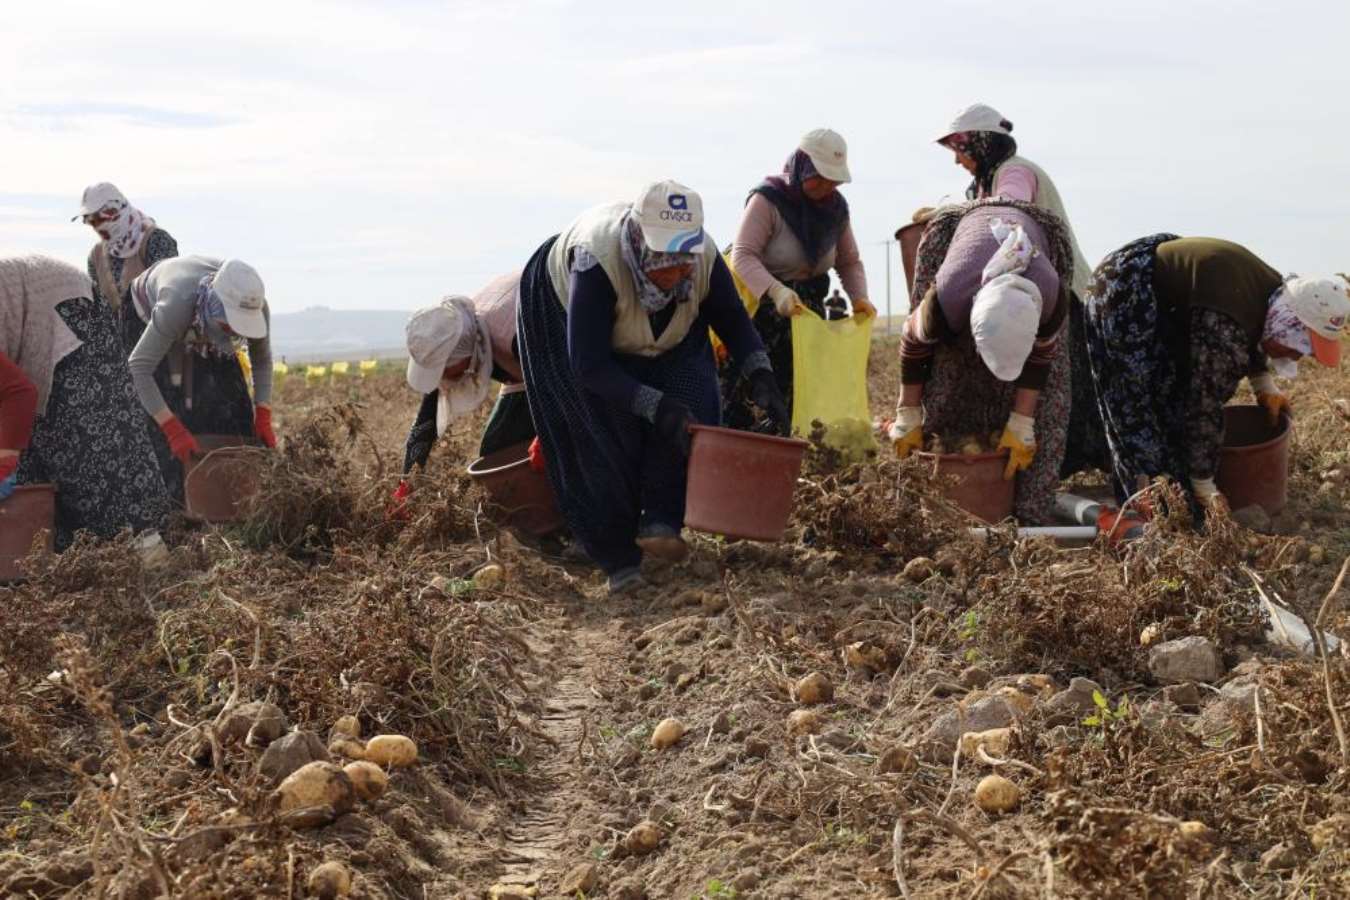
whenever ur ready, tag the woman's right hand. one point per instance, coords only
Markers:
(906, 432)
(785, 300)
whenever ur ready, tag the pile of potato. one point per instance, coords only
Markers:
(966, 444)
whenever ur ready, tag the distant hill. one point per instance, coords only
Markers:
(320, 333)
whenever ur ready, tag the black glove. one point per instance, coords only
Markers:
(765, 394)
(673, 419)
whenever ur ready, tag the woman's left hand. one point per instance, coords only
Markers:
(863, 309)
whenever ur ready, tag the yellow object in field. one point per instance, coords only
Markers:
(245, 366)
(829, 380)
(749, 300)
(369, 365)
(280, 369)
(315, 371)
(338, 368)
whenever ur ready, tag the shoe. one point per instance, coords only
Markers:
(625, 581)
(662, 542)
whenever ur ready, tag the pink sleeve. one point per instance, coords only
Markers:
(747, 251)
(1016, 183)
(848, 263)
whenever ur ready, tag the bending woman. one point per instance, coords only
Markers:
(984, 347)
(68, 413)
(198, 311)
(794, 230)
(1173, 326)
(613, 330)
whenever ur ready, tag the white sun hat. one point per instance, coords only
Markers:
(977, 117)
(97, 196)
(240, 289)
(828, 152)
(1322, 305)
(671, 217)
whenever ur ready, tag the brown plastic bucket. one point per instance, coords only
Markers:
(522, 497)
(741, 483)
(222, 478)
(26, 512)
(979, 487)
(908, 238)
(1254, 461)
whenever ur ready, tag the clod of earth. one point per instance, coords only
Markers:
(368, 779)
(392, 750)
(862, 655)
(581, 878)
(644, 837)
(804, 721)
(329, 880)
(1191, 658)
(897, 759)
(666, 734)
(318, 784)
(814, 688)
(257, 724)
(996, 794)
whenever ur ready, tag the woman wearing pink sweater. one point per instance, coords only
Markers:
(794, 230)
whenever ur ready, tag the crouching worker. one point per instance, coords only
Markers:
(68, 413)
(613, 329)
(197, 312)
(456, 349)
(984, 348)
(1173, 326)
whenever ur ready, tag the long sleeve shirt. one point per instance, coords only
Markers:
(590, 320)
(172, 286)
(766, 252)
(1015, 183)
(18, 406)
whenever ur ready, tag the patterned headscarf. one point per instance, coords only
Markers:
(123, 234)
(642, 259)
(990, 150)
(210, 337)
(816, 224)
(1284, 327)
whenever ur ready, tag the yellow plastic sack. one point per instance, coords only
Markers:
(829, 381)
(339, 368)
(246, 367)
(750, 301)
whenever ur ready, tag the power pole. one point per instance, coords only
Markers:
(886, 246)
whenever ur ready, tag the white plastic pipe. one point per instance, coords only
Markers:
(1065, 532)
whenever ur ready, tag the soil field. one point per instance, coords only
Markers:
(841, 700)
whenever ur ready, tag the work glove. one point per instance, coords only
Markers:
(262, 426)
(537, 456)
(766, 395)
(906, 432)
(181, 442)
(1019, 436)
(9, 476)
(785, 300)
(1269, 396)
(863, 308)
(1207, 493)
(673, 419)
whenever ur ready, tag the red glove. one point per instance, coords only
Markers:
(7, 466)
(181, 442)
(398, 509)
(537, 456)
(262, 426)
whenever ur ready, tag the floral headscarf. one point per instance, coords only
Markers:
(642, 259)
(123, 233)
(1284, 327)
(989, 149)
(816, 224)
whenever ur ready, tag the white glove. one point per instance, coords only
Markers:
(785, 300)
(907, 418)
(1205, 490)
(1022, 427)
(1263, 383)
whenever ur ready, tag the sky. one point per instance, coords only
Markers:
(366, 155)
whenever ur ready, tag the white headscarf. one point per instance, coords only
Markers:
(124, 233)
(1006, 313)
(465, 393)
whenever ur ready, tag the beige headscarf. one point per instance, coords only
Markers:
(32, 333)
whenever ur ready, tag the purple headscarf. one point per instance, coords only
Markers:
(816, 224)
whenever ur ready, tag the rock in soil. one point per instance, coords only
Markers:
(1069, 706)
(1280, 858)
(284, 756)
(257, 724)
(974, 677)
(330, 880)
(897, 759)
(1185, 696)
(1185, 659)
(982, 715)
(581, 878)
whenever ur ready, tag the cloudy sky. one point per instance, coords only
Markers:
(381, 154)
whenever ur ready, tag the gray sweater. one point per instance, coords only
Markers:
(172, 288)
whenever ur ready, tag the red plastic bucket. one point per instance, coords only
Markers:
(220, 481)
(979, 487)
(522, 497)
(26, 512)
(1254, 461)
(741, 483)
